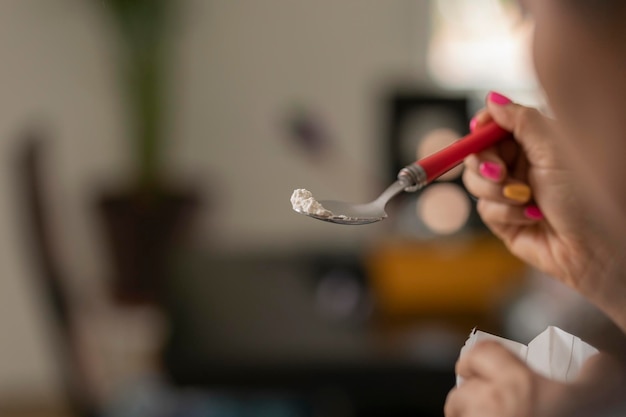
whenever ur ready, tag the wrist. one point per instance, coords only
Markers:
(597, 270)
(604, 284)
(599, 387)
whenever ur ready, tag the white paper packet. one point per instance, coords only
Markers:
(554, 353)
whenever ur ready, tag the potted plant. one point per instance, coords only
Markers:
(144, 219)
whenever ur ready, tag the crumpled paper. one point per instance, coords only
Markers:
(554, 353)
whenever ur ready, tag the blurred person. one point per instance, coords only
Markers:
(556, 196)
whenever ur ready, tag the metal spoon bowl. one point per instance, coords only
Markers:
(356, 214)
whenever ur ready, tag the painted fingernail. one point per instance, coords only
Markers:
(498, 99)
(490, 170)
(533, 213)
(517, 192)
(473, 123)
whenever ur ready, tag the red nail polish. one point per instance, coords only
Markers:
(498, 99)
(490, 170)
(473, 123)
(533, 213)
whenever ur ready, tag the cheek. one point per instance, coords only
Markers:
(568, 68)
(581, 89)
(558, 69)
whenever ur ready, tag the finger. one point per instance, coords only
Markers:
(454, 403)
(509, 151)
(528, 125)
(481, 187)
(508, 192)
(462, 402)
(504, 111)
(487, 360)
(479, 398)
(495, 213)
(505, 155)
(481, 118)
(520, 169)
(487, 164)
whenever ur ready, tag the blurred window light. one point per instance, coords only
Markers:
(480, 44)
(444, 208)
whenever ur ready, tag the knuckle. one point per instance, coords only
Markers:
(457, 366)
(482, 208)
(523, 378)
(509, 212)
(525, 120)
(487, 347)
(471, 162)
(489, 214)
(448, 407)
(494, 395)
(469, 181)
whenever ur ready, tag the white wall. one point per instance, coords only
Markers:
(241, 65)
(53, 69)
(245, 65)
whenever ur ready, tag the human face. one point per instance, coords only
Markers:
(580, 61)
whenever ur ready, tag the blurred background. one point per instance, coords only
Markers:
(151, 264)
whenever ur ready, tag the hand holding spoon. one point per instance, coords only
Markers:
(410, 178)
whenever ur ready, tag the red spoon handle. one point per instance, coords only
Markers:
(444, 160)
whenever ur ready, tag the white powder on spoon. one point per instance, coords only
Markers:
(303, 201)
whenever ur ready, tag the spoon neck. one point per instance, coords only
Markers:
(413, 177)
(391, 191)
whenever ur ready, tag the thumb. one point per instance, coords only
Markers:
(488, 360)
(531, 129)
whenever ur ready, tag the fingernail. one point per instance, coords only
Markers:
(490, 170)
(517, 192)
(473, 123)
(498, 99)
(533, 213)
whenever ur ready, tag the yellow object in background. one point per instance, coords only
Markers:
(466, 275)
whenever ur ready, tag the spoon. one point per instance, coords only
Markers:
(412, 178)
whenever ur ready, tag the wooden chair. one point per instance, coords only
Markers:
(30, 174)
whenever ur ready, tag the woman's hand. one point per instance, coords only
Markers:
(527, 197)
(497, 384)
